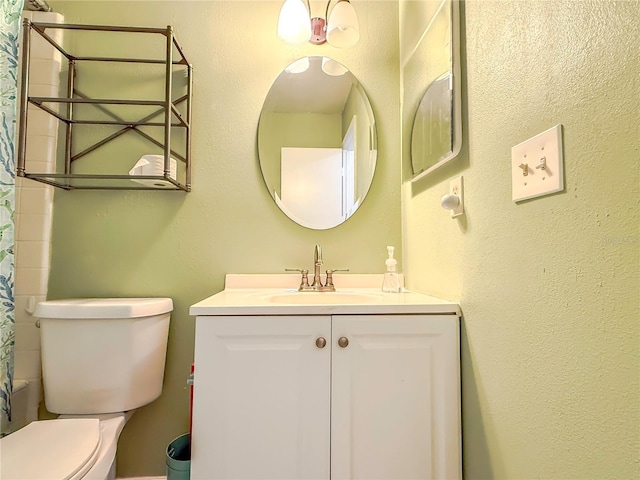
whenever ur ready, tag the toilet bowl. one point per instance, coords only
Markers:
(101, 359)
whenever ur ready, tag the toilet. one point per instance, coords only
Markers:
(101, 359)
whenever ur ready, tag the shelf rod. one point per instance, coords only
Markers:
(103, 109)
(101, 28)
(97, 145)
(101, 176)
(126, 123)
(179, 116)
(126, 60)
(51, 112)
(168, 81)
(71, 79)
(43, 34)
(48, 182)
(106, 101)
(180, 51)
(176, 189)
(24, 99)
(187, 179)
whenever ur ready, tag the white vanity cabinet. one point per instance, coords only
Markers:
(261, 402)
(319, 396)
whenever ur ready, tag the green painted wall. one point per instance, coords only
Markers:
(181, 245)
(549, 288)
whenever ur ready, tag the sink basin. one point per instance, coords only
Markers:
(323, 298)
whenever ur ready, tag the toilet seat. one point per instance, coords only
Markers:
(61, 449)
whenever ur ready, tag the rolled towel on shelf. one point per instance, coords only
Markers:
(153, 165)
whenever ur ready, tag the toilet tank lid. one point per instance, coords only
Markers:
(103, 307)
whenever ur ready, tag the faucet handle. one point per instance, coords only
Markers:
(304, 281)
(329, 282)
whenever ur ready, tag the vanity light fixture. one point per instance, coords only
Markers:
(339, 27)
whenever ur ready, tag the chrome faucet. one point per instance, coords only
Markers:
(316, 285)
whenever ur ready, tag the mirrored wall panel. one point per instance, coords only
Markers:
(431, 85)
(317, 142)
(432, 132)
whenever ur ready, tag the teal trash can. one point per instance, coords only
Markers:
(179, 458)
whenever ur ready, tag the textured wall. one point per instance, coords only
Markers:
(549, 288)
(181, 245)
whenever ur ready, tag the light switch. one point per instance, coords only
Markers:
(536, 165)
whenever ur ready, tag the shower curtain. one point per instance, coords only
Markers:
(10, 15)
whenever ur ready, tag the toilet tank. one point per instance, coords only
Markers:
(103, 355)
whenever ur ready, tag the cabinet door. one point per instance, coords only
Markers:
(395, 397)
(261, 398)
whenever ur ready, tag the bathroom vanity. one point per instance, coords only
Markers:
(352, 384)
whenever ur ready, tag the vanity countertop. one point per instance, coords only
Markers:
(277, 295)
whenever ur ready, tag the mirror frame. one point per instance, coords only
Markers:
(456, 97)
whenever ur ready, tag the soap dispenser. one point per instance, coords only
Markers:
(391, 282)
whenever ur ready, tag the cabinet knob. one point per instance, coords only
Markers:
(320, 342)
(343, 342)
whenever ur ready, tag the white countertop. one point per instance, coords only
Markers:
(277, 295)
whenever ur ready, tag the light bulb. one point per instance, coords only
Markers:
(294, 26)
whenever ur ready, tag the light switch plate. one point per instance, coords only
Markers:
(455, 188)
(536, 165)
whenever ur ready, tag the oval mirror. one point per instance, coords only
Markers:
(317, 142)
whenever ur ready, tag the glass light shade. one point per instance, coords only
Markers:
(342, 26)
(333, 68)
(299, 66)
(294, 26)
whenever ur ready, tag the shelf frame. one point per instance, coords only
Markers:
(167, 108)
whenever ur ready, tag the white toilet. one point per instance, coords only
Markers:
(101, 359)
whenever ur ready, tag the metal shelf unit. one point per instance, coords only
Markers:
(167, 108)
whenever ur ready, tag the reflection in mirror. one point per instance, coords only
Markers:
(432, 135)
(317, 142)
(432, 70)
